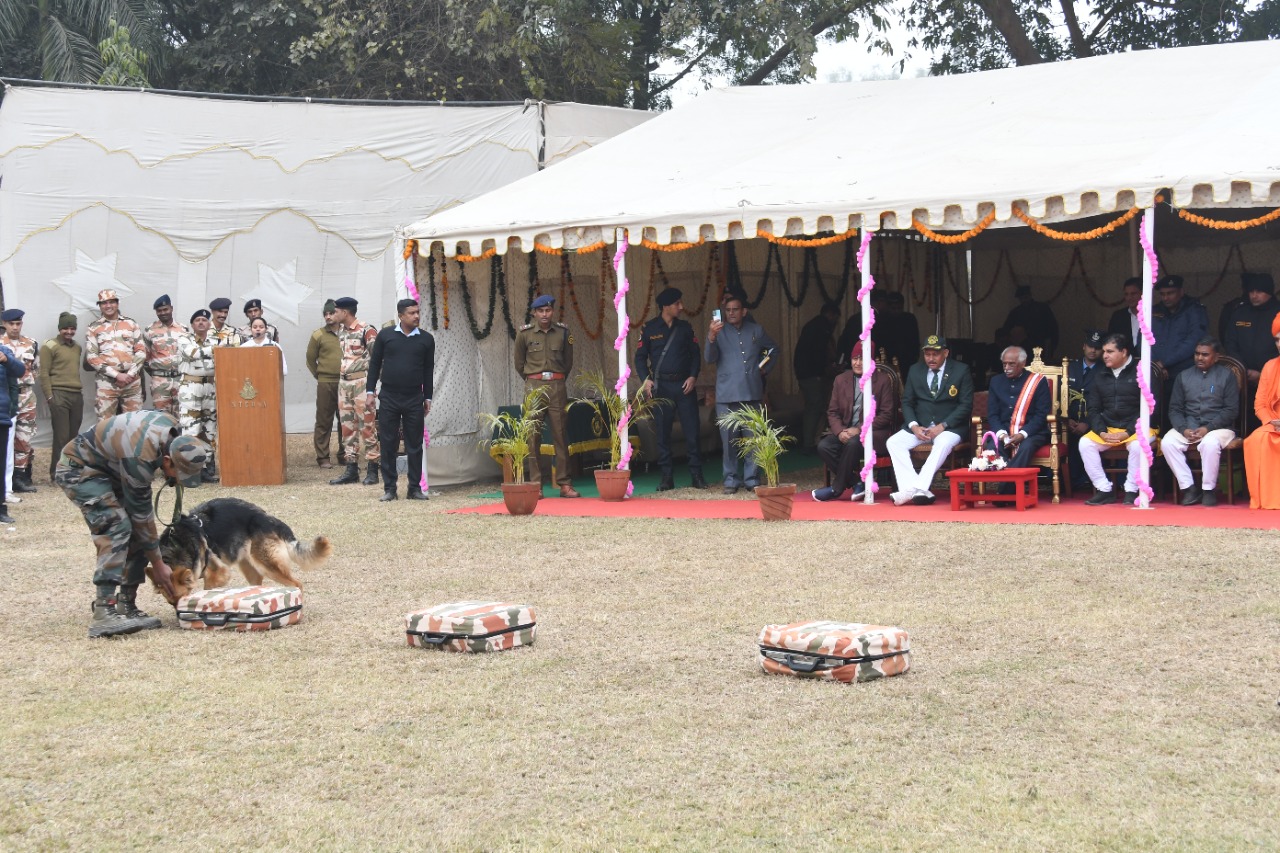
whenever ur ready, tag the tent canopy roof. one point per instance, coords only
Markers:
(1062, 140)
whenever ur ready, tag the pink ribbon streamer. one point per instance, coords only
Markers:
(1144, 440)
(411, 288)
(869, 400)
(426, 442)
(624, 328)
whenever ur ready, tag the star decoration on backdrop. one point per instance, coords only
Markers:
(89, 277)
(280, 291)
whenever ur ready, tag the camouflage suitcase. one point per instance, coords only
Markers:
(838, 651)
(472, 626)
(240, 608)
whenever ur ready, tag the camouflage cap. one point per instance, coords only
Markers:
(935, 342)
(189, 456)
(107, 296)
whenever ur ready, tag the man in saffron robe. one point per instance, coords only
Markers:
(1262, 447)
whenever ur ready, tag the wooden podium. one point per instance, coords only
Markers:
(250, 415)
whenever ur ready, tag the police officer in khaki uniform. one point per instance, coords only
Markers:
(544, 357)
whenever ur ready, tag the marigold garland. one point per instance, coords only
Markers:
(801, 243)
(566, 284)
(953, 239)
(1221, 225)
(1069, 236)
(483, 256)
(410, 246)
(672, 247)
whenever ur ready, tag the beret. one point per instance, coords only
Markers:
(1168, 282)
(203, 312)
(1093, 338)
(12, 314)
(222, 303)
(669, 296)
(542, 301)
(163, 299)
(251, 304)
(346, 303)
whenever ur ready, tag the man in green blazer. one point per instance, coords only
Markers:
(937, 403)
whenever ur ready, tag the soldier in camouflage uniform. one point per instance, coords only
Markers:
(197, 395)
(252, 311)
(107, 473)
(163, 358)
(221, 332)
(26, 351)
(356, 416)
(115, 351)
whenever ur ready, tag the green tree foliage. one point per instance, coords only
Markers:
(972, 35)
(122, 63)
(57, 39)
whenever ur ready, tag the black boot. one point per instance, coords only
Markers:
(350, 475)
(698, 482)
(107, 622)
(371, 478)
(667, 483)
(22, 480)
(127, 606)
(210, 472)
(5, 518)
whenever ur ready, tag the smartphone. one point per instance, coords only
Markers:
(715, 316)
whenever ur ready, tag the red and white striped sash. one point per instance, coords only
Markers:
(1023, 403)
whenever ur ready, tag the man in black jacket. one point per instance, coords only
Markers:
(1113, 405)
(1247, 334)
(404, 359)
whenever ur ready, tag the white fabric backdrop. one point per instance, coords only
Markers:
(292, 203)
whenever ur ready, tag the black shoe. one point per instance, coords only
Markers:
(922, 499)
(387, 496)
(1209, 498)
(1190, 496)
(417, 495)
(351, 474)
(1130, 497)
(22, 484)
(667, 483)
(5, 518)
(371, 477)
(698, 482)
(730, 490)
(1100, 498)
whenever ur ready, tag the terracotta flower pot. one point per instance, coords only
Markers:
(521, 498)
(612, 484)
(776, 501)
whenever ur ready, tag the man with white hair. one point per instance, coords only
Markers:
(1018, 407)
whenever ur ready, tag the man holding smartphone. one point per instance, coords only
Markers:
(742, 352)
(667, 363)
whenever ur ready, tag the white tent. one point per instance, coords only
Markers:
(289, 202)
(1069, 139)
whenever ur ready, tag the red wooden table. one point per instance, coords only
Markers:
(964, 487)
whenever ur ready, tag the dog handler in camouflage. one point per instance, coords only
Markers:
(107, 472)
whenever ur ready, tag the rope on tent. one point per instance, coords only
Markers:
(1222, 225)
(1071, 237)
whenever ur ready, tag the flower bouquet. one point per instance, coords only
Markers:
(988, 460)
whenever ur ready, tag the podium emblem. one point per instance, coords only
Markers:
(248, 392)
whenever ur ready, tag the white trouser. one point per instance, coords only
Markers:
(1091, 458)
(900, 444)
(8, 454)
(1175, 444)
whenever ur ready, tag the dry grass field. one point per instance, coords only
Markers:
(1071, 689)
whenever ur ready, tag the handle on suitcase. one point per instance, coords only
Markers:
(432, 639)
(805, 664)
(217, 620)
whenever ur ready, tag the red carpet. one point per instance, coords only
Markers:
(807, 509)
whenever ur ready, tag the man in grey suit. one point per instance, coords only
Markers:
(937, 403)
(743, 354)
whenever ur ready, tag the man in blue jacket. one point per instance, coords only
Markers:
(11, 370)
(743, 354)
(1018, 407)
(1177, 322)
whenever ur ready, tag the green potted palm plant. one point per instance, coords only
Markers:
(611, 407)
(511, 438)
(764, 441)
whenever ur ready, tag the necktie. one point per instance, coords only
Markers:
(856, 418)
(933, 382)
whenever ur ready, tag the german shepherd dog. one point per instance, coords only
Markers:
(227, 532)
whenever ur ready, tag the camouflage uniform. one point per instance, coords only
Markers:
(164, 364)
(107, 472)
(197, 395)
(353, 415)
(114, 347)
(26, 351)
(227, 336)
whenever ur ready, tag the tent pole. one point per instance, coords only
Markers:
(1144, 418)
(620, 239)
(868, 360)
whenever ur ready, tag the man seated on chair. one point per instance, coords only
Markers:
(1113, 403)
(1202, 412)
(1080, 375)
(1018, 407)
(841, 449)
(937, 403)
